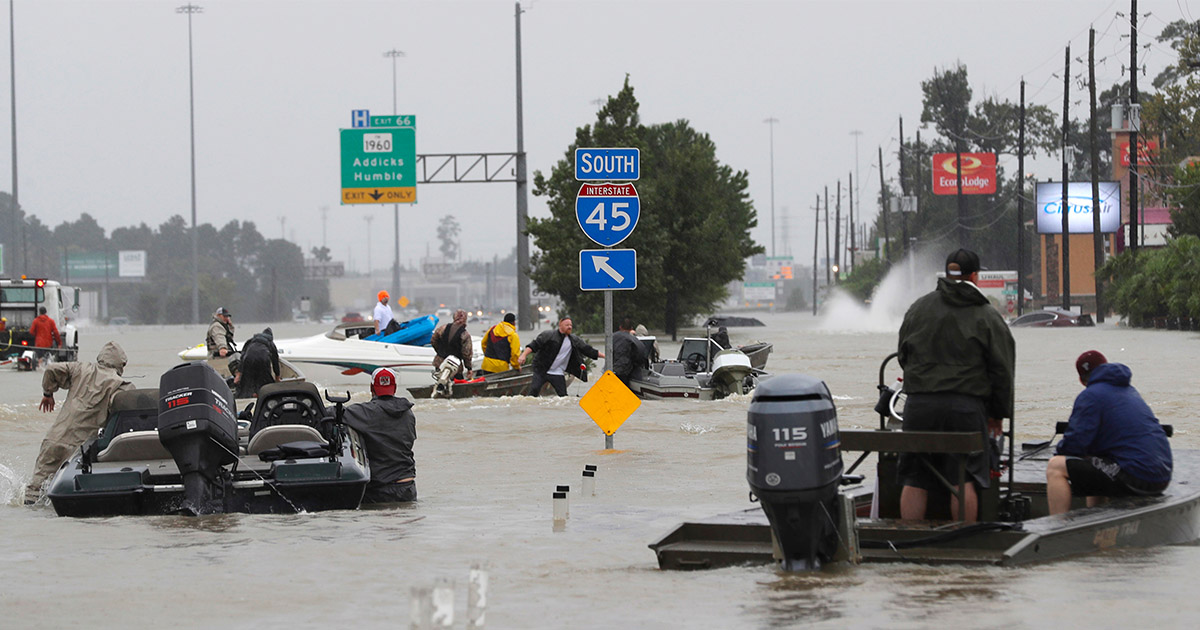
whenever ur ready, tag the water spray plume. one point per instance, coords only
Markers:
(906, 281)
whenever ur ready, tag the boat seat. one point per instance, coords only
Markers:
(272, 436)
(134, 446)
(672, 368)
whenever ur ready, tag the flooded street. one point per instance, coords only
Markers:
(485, 473)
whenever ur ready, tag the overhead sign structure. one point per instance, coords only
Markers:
(609, 403)
(1079, 207)
(758, 291)
(607, 213)
(610, 164)
(379, 159)
(607, 269)
(978, 172)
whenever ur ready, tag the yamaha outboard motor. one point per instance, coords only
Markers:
(197, 423)
(794, 466)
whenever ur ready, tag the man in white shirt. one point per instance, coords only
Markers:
(558, 353)
(383, 312)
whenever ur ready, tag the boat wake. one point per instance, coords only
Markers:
(907, 280)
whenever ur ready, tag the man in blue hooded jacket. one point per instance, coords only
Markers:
(1113, 446)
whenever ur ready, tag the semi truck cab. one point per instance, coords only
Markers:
(19, 302)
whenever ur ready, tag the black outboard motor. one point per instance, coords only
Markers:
(794, 466)
(197, 423)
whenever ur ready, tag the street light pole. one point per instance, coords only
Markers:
(370, 269)
(189, 9)
(771, 123)
(857, 190)
(395, 54)
(12, 66)
(525, 317)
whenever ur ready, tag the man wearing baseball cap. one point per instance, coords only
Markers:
(958, 358)
(1113, 446)
(388, 429)
(220, 334)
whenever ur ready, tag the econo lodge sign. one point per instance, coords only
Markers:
(978, 171)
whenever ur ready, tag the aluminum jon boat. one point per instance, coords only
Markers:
(813, 512)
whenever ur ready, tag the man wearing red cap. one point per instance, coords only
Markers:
(1113, 446)
(958, 358)
(388, 429)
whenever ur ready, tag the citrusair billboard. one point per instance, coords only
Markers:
(1079, 207)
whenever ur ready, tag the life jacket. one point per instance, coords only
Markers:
(451, 345)
(498, 346)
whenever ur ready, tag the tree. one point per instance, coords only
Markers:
(447, 233)
(692, 238)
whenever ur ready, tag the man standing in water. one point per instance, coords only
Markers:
(388, 429)
(558, 353)
(958, 358)
(91, 387)
(1113, 446)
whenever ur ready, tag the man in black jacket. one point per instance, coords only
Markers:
(258, 365)
(628, 352)
(558, 353)
(388, 429)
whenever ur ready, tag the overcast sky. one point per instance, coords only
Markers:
(102, 97)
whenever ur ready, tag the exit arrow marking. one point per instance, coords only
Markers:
(376, 195)
(601, 263)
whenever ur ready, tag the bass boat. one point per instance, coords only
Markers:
(700, 376)
(813, 512)
(178, 449)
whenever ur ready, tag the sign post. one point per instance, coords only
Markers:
(607, 213)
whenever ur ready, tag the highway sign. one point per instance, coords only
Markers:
(360, 118)
(379, 165)
(607, 213)
(608, 164)
(609, 403)
(607, 269)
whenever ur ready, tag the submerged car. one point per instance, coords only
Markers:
(1052, 318)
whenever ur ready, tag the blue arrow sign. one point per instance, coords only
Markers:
(623, 164)
(607, 213)
(607, 269)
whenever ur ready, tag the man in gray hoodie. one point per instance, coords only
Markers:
(90, 387)
(388, 429)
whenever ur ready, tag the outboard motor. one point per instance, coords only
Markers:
(443, 377)
(794, 466)
(197, 423)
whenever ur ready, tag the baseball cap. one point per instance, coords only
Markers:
(1088, 362)
(383, 295)
(223, 311)
(383, 382)
(965, 262)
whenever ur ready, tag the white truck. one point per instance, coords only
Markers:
(19, 303)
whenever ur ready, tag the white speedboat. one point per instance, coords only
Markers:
(343, 347)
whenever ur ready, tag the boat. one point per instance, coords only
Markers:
(287, 457)
(833, 515)
(698, 351)
(345, 347)
(491, 384)
(414, 332)
(1052, 318)
(691, 377)
(731, 321)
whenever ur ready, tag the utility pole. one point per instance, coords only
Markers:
(883, 199)
(282, 228)
(324, 218)
(1020, 205)
(771, 123)
(189, 9)
(837, 233)
(828, 278)
(370, 268)
(12, 75)
(1066, 214)
(903, 179)
(816, 235)
(1135, 121)
(1097, 237)
(525, 317)
(850, 189)
(920, 158)
(395, 54)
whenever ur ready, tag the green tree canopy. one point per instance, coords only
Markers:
(692, 237)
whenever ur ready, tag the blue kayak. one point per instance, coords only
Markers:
(414, 332)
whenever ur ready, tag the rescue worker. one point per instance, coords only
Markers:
(91, 387)
(45, 335)
(259, 364)
(628, 352)
(558, 353)
(220, 334)
(388, 429)
(502, 346)
(453, 339)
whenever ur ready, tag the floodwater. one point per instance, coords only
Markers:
(486, 470)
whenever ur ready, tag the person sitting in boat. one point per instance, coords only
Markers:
(384, 321)
(628, 353)
(641, 331)
(90, 387)
(558, 353)
(722, 338)
(220, 334)
(502, 346)
(1113, 446)
(959, 361)
(45, 335)
(388, 429)
(453, 339)
(258, 366)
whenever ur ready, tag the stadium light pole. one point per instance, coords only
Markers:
(771, 123)
(395, 54)
(189, 9)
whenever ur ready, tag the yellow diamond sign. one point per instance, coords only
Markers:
(609, 403)
(403, 301)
